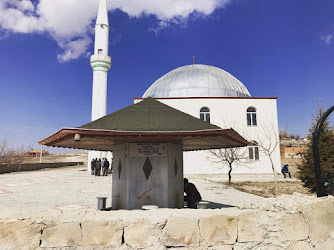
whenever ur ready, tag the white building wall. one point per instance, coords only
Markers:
(231, 113)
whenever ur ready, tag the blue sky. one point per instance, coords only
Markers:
(275, 48)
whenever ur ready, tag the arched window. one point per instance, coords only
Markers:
(204, 114)
(251, 116)
(253, 151)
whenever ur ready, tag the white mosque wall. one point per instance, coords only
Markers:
(232, 113)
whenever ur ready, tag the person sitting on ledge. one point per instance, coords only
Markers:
(193, 195)
(285, 170)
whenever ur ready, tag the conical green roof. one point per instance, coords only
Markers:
(149, 115)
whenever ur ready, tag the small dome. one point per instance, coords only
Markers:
(197, 80)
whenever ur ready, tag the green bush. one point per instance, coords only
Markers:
(326, 149)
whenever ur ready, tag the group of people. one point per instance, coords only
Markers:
(100, 164)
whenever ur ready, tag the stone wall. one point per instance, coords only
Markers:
(308, 227)
(8, 168)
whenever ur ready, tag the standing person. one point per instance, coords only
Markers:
(98, 167)
(193, 195)
(92, 166)
(285, 170)
(105, 167)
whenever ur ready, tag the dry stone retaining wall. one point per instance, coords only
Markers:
(309, 227)
(8, 168)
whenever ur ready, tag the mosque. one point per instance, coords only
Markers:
(205, 92)
(215, 96)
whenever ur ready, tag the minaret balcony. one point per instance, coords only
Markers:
(100, 62)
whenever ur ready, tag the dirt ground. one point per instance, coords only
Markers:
(267, 189)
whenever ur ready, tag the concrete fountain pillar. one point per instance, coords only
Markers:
(147, 174)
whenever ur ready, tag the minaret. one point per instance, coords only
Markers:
(100, 63)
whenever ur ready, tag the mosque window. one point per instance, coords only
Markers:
(204, 114)
(99, 51)
(253, 151)
(251, 116)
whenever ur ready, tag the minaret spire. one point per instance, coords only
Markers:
(102, 16)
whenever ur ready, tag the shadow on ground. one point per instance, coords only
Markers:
(213, 205)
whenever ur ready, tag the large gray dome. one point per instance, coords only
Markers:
(197, 80)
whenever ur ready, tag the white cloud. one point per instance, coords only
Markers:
(73, 49)
(327, 39)
(68, 18)
(70, 22)
(17, 16)
(167, 9)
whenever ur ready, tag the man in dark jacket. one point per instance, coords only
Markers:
(193, 195)
(285, 170)
(92, 166)
(98, 167)
(105, 167)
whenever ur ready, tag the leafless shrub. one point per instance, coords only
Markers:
(283, 134)
(11, 155)
(3, 147)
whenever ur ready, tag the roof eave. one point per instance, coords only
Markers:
(65, 132)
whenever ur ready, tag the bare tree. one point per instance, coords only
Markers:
(228, 156)
(294, 136)
(16, 155)
(268, 144)
(11, 155)
(3, 147)
(283, 134)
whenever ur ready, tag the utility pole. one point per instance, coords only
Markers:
(40, 154)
